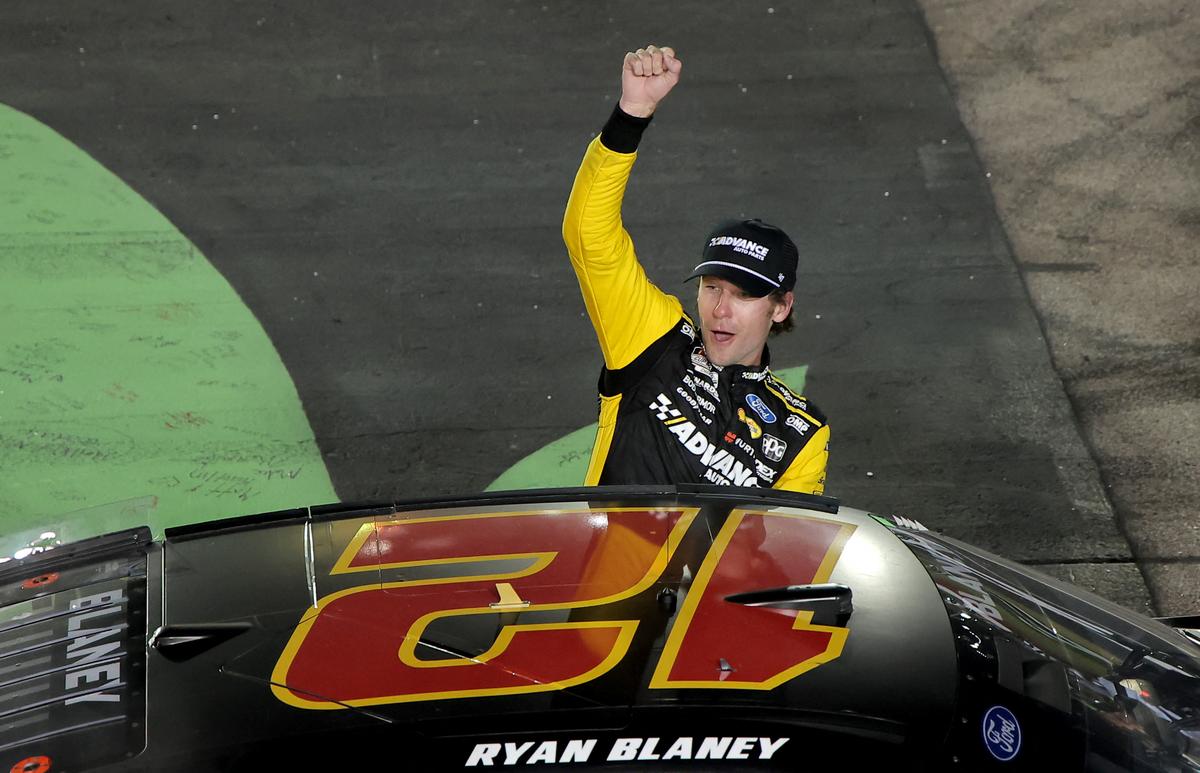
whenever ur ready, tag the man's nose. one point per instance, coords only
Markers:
(722, 307)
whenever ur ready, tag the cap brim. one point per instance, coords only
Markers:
(753, 283)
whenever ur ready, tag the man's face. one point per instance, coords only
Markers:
(735, 325)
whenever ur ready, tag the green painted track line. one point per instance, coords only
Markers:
(563, 462)
(135, 386)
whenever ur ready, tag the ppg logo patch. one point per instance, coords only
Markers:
(1001, 733)
(756, 402)
(773, 448)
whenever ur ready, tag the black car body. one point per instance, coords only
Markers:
(648, 628)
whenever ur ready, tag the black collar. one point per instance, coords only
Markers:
(748, 372)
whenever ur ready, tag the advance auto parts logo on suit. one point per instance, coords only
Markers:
(720, 466)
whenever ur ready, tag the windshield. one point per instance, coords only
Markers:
(43, 533)
(1123, 688)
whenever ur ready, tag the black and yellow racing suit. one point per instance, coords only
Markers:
(667, 413)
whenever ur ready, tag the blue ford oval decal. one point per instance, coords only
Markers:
(1001, 733)
(756, 402)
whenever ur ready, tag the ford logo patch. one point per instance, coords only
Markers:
(1001, 733)
(756, 402)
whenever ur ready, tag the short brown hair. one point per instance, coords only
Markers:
(779, 296)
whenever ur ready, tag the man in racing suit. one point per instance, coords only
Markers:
(680, 404)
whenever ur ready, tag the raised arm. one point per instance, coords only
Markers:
(626, 309)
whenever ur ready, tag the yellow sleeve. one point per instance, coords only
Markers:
(806, 473)
(627, 310)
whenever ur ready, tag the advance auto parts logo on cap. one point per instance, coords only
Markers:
(738, 244)
(1001, 733)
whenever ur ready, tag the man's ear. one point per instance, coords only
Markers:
(784, 308)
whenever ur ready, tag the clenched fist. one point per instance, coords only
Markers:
(647, 76)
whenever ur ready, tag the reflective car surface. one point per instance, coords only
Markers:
(651, 628)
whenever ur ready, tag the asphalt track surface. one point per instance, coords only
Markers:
(1090, 116)
(383, 188)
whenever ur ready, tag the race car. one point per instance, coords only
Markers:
(647, 628)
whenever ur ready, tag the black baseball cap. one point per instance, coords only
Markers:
(755, 256)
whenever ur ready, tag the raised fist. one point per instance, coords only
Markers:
(647, 76)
